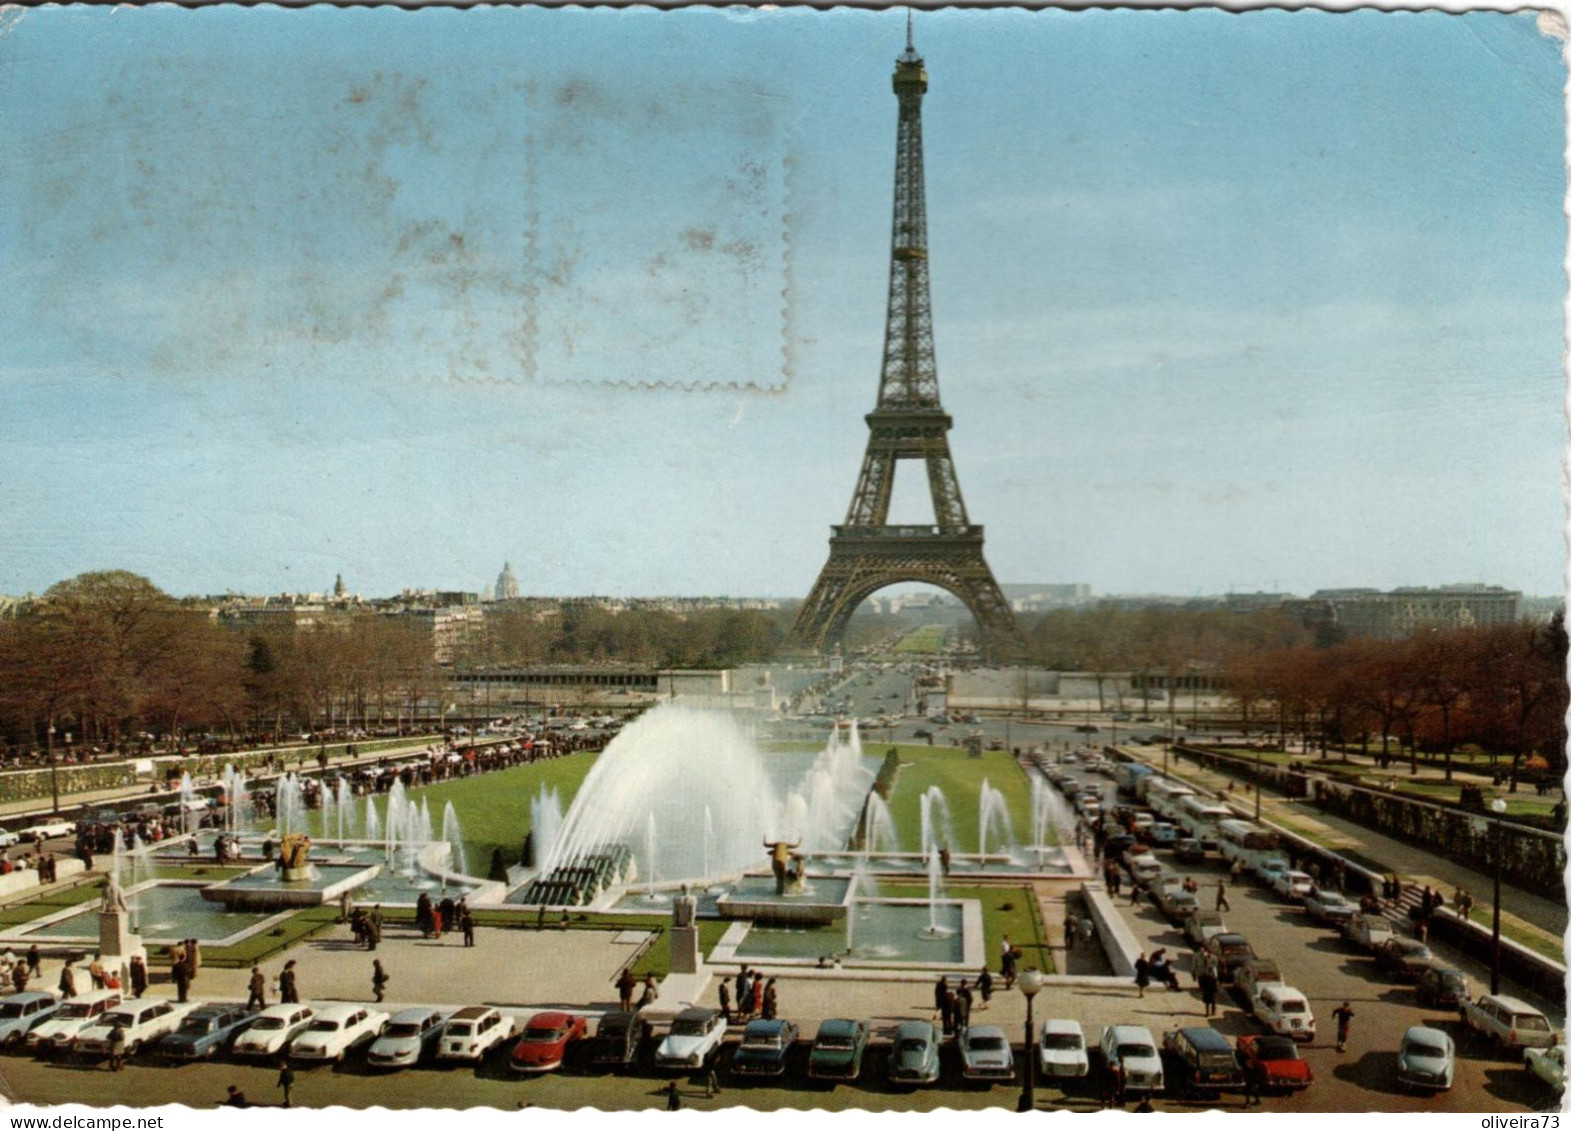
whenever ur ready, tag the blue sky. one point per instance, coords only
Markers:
(1221, 301)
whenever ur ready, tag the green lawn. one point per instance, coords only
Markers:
(929, 638)
(493, 809)
(960, 777)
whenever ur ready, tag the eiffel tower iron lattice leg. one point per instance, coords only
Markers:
(867, 554)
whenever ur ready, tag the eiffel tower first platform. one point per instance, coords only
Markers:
(866, 553)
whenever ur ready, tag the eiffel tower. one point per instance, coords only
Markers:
(866, 553)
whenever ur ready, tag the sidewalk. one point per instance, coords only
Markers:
(1528, 914)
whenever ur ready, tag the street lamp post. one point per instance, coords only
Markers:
(54, 772)
(1498, 805)
(1030, 982)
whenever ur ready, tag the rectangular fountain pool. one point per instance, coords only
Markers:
(882, 933)
(164, 913)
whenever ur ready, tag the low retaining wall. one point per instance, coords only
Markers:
(27, 879)
(1118, 941)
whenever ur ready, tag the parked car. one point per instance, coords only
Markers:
(694, 1039)
(1202, 926)
(1508, 1022)
(838, 1050)
(1330, 906)
(1188, 850)
(1549, 1065)
(472, 1032)
(985, 1055)
(1285, 1011)
(1274, 1062)
(1426, 1059)
(1292, 885)
(1176, 903)
(1230, 949)
(1269, 869)
(47, 829)
(205, 1031)
(9, 838)
(20, 1012)
(1404, 958)
(336, 1030)
(1164, 834)
(271, 1030)
(142, 1023)
(1134, 1048)
(410, 1034)
(1144, 867)
(913, 1056)
(618, 1038)
(1439, 984)
(547, 1037)
(1062, 1049)
(1201, 1061)
(1254, 975)
(56, 1032)
(1367, 930)
(764, 1048)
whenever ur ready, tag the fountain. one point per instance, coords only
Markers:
(993, 814)
(372, 830)
(879, 827)
(454, 837)
(545, 821)
(346, 798)
(188, 818)
(647, 778)
(289, 806)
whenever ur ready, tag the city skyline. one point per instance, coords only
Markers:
(1209, 315)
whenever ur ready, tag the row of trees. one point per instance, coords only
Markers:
(1500, 687)
(105, 657)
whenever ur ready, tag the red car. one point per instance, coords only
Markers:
(1274, 1062)
(543, 1046)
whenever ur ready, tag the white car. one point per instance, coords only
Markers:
(49, 830)
(1062, 1051)
(9, 838)
(693, 1041)
(56, 1033)
(1549, 1065)
(409, 1033)
(1145, 867)
(142, 1022)
(1285, 1011)
(20, 1012)
(471, 1033)
(1133, 1047)
(1292, 885)
(335, 1030)
(269, 1035)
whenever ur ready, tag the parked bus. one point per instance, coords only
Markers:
(1248, 842)
(1164, 796)
(1201, 817)
(1128, 775)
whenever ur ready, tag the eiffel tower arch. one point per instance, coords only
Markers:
(909, 424)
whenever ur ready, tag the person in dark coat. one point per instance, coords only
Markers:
(770, 1001)
(286, 1080)
(138, 969)
(288, 988)
(625, 985)
(379, 980)
(1142, 973)
(19, 976)
(1208, 987)
(940, 993)
(258, 984)
(984, 986)
(466, 923)
(34, 959)
(725, 1001)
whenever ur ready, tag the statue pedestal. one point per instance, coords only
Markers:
(685, 955)
(304, 872)
(115, 937)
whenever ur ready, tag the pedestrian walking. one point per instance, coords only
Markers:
(1221, 896)
(258, 998)
(138, 970)
(725, 1001)
(288, 988)
(711, 1084)
(34, 959)
(770, 1001)
(68, 983)
(1251, 1089)
(19, 976)
(940, 993)
(1071, 929)
(1087, 931)
(951, 1007)
(984, 986)
(378, 979)
(466, 923)
(1142, 973)
(625, 985)
(651, 991)
(673, 1098)
(1343, 1016)
(963, 1001)
(756, 1006)
(286, 1080)
(1115, 1086)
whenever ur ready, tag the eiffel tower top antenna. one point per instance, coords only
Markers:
(909, 45)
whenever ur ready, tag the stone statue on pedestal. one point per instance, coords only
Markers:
(685, 955)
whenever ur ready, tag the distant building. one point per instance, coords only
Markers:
(448, 627)
(1040, 598)
(506, 584)
(338, 586)
(1401, 612)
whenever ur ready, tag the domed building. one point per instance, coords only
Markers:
(506, 584)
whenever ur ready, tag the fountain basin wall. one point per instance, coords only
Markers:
(168, 911)
(821, 900)
(263, 888)
(889, 935)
